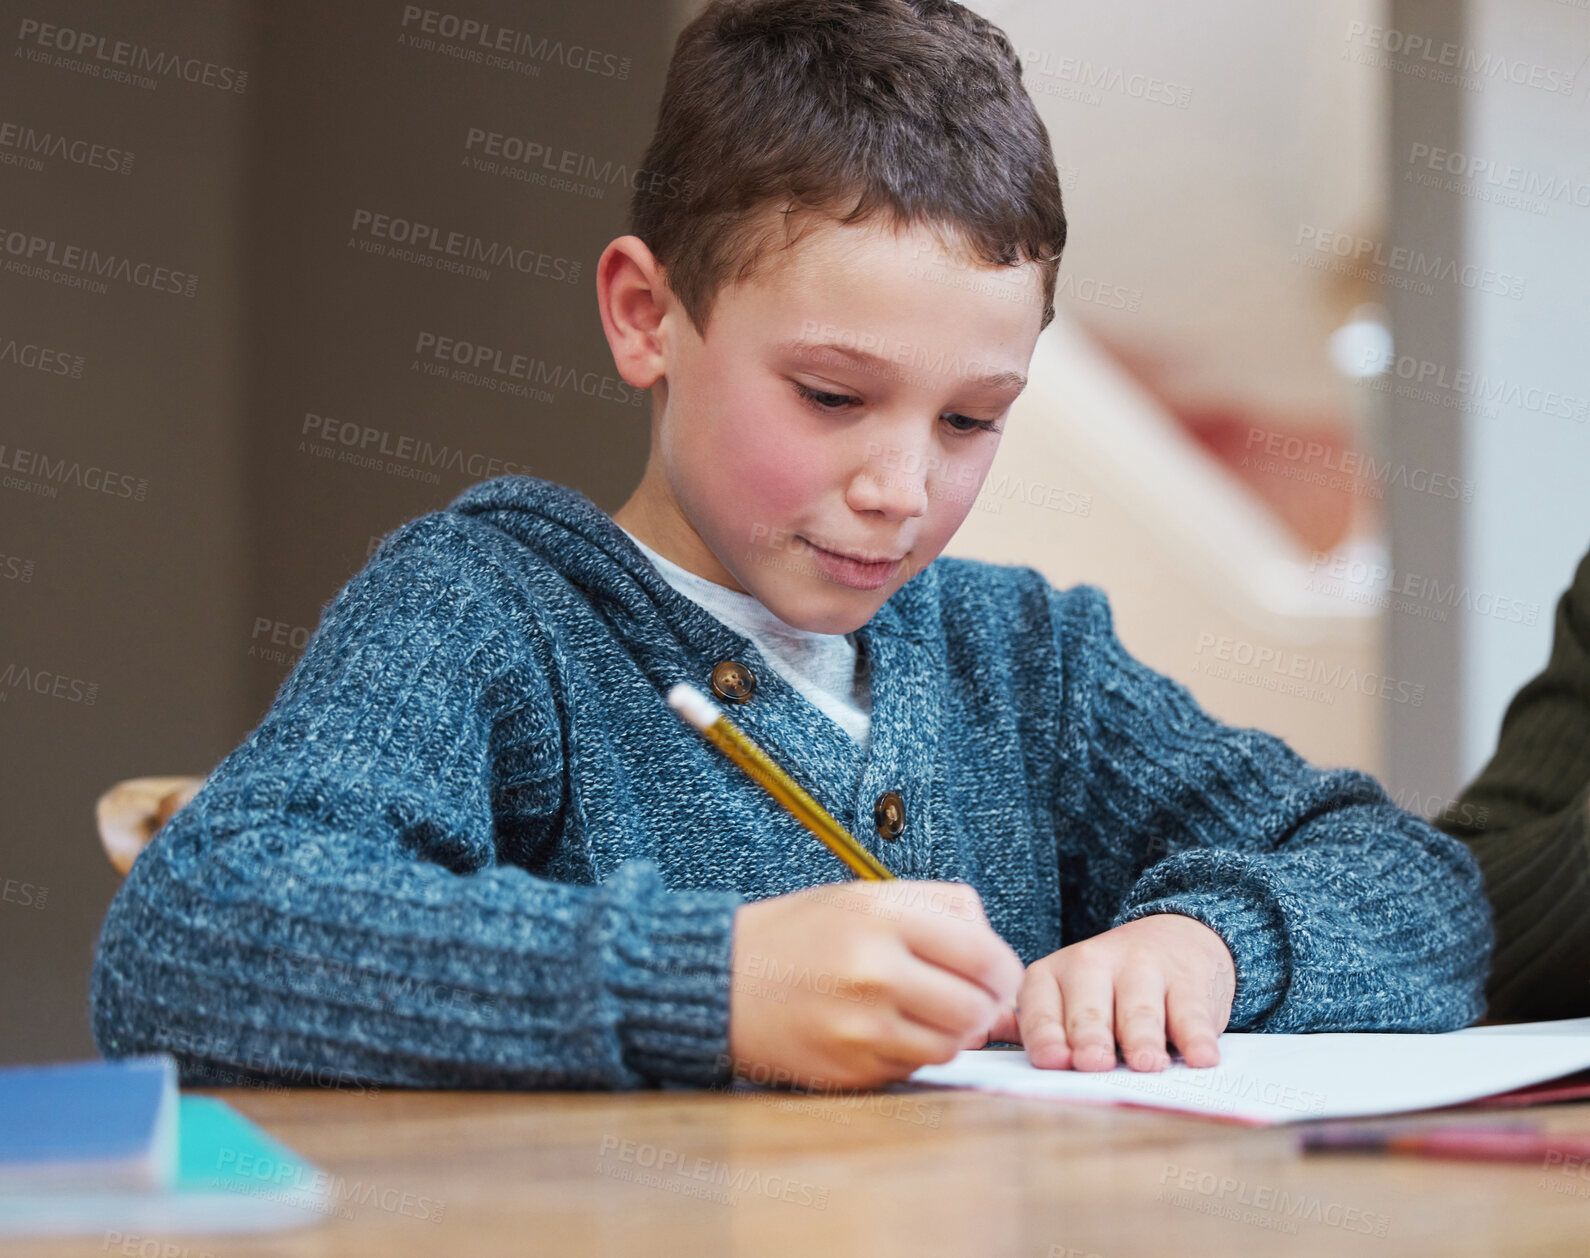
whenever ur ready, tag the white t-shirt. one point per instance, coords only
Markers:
(825, 667)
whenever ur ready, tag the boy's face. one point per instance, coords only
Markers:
(774, 445)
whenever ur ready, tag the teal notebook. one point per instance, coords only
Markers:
(231, 1177)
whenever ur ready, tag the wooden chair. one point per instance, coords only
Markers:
(132, 812)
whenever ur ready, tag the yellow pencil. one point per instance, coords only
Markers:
(705, 715)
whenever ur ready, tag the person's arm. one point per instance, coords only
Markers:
(1526, 818)
(336, 903)
(1340, 911)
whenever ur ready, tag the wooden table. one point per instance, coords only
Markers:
(914, 1174)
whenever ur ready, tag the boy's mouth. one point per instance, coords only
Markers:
(848, 569)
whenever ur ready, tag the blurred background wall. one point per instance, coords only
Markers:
(1312, 413)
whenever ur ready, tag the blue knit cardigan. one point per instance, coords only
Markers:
(470, 845)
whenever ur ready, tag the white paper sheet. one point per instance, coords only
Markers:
(1291, 1078)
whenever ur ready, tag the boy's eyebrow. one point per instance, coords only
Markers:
(819, 349)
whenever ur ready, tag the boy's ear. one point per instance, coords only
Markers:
(632, 294)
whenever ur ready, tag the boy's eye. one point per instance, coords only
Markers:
(828, 401)
(973, 425)
(825, 401)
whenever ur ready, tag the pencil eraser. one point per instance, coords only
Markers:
(691, 704)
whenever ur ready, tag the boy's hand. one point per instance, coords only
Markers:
(855, 984)
(1162, 976)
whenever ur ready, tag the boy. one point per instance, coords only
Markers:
(470, 845)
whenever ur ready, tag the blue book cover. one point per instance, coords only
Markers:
(109, 1123)
(227, 1176)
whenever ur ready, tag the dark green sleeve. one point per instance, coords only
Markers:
(1526, 818)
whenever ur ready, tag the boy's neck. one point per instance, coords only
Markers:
(663, 527)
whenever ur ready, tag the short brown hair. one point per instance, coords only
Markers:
(912, 107)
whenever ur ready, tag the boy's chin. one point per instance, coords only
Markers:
(819, 607)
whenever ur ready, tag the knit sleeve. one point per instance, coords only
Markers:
(336, 904)
(1526, 818)
(1342, 912)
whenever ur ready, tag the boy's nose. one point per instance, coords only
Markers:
(898, 488)
(900, 495)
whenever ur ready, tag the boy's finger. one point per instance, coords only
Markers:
(965, 902)
(974, 1039)
(958, 900)
(1087, 997)
(940, 999)
(968, 948)
(912, 1044)
(1005, 1026)
(1191, 1023)
(1041, 1022)
(1140, 1018)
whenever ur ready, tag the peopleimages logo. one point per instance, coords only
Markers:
(1077, 79)
(674, 1171)
(1318, 462)
(36, 357)
(1484, 390)
(27, 145)
(503, 47)
(55, 472)
(1261, 1205)
(46, 682)
(1294, 673)
(104, 57)
(1407, 263)
(408, 240)
(1387, 586)
(520, 374)
(16, 568)
(1445, 62)
(537, 161)
(77, 266)
(1473, 175)
(382, 450)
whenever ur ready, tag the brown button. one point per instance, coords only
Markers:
(888, 814)
(733, 681)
